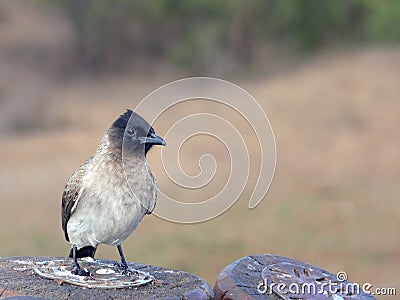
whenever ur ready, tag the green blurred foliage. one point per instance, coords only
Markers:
(197, 33)
(384, 24)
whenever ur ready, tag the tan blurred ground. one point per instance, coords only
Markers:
(335, 199)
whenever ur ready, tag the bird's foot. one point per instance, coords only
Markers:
(125, 270)
(80, 272)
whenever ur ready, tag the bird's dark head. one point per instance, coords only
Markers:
(133, 133)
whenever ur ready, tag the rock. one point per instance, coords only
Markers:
(258, 277)
(19, 281)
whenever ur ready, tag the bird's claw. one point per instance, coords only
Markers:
(80, 272)
(125, 270)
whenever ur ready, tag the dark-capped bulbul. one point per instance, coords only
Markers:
(109, 194)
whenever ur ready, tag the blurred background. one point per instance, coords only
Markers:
(327, 74)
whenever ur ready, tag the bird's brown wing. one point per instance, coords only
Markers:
(71, 195)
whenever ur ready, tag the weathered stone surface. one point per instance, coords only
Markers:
(258, 276)
(17, 278)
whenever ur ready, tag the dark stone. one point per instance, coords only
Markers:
(256, 277)
(19, 280)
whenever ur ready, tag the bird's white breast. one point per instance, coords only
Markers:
(109, 209)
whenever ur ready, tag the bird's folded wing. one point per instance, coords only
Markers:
(71, 195)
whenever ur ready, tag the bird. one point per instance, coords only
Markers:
(107, 197)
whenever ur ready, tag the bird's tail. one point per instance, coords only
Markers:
(84, 252)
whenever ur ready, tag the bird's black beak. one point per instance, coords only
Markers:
(154, 139)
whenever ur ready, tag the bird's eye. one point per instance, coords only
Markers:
(131, 131)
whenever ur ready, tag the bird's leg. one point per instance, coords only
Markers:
(77, 270)
(123, 266)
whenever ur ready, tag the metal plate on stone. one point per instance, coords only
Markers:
(104, 275)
